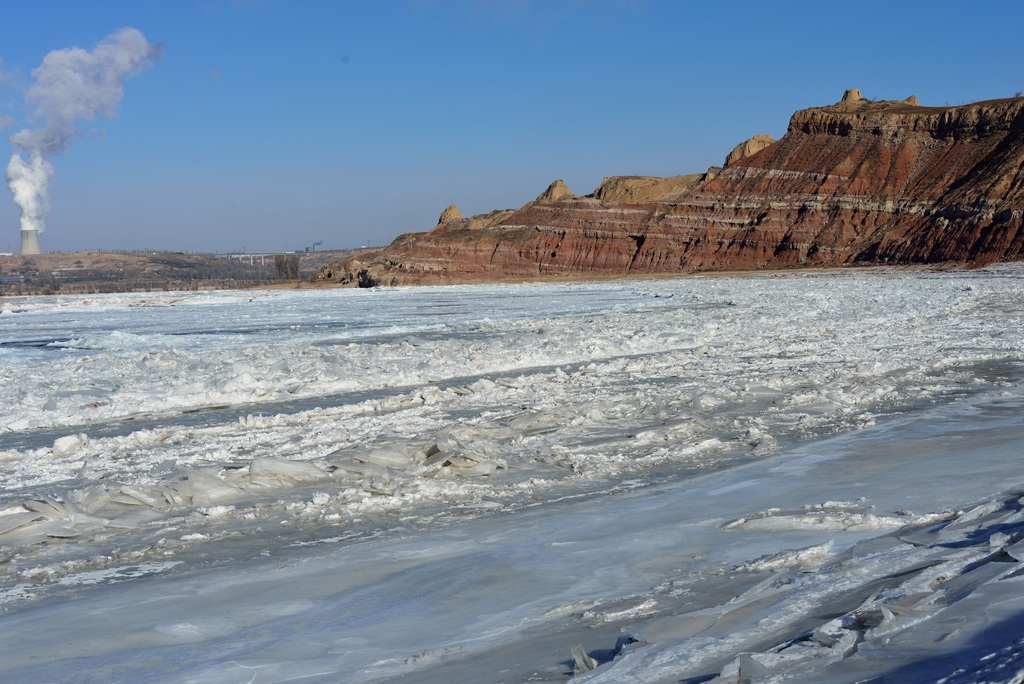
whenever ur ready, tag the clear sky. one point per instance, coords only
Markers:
(269, 125)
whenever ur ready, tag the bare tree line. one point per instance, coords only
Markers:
(287, 266)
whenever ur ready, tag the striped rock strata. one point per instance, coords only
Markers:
(856, 182)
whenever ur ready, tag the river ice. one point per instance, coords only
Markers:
(779, 477)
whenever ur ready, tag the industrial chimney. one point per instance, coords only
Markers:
(30, 242)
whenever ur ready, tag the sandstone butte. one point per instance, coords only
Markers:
(858, 182)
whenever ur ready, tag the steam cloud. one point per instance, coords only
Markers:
(71, 85)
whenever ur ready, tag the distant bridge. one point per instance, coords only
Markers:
(257, 257)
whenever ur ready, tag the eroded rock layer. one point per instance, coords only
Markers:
(855, 182)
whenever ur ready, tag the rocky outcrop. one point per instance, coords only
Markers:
(450, 213)
(556, 192)
(490, 219)
(641, 189)
(855, 182)
(452, 220)
(749, 148)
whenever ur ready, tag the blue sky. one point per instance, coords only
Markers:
(270, 124)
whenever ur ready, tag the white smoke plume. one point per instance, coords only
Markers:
(71, 85)
(28, 182)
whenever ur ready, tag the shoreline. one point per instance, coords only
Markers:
(610, 277)
(67, 266)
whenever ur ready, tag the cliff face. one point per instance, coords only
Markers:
(859, 181)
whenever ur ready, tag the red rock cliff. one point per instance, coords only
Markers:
(859, 181)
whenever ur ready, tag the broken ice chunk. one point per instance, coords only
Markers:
(581, 661)
(210, 490)
(275, 472)
(65, 446)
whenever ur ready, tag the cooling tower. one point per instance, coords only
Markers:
(30, 242)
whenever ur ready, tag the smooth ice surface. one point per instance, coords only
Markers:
(773, 476)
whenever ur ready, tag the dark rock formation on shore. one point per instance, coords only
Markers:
(887, 182)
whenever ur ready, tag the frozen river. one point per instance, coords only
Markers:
(794, 477)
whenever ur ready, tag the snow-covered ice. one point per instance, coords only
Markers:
(781, 477)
